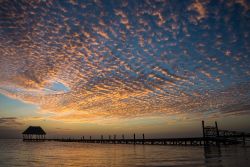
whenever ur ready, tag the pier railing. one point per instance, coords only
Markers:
(227, 136)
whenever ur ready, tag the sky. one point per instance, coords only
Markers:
(121, 67)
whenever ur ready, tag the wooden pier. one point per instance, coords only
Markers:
(212, 135)
(193, 141)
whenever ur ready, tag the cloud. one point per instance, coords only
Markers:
(243, 3)
(83, 62)
(9, 122)
(236, 108)
(124, 19)
(199, 8)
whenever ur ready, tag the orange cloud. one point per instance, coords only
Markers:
(118, 64)
(198, 7)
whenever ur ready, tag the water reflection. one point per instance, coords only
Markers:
(212, 155)
(18, 153)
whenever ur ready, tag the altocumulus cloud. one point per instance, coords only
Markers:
(125, 59)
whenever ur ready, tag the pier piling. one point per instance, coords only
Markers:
(134, 138)
(143, 138)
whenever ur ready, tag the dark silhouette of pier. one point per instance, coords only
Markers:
(212, 135)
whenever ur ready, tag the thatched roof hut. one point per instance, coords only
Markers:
(34, 133)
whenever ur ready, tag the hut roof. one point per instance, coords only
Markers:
(34, 130)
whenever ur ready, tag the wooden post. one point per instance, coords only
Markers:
(123, 137)
(217, 133)
(203, 133)
(134, 138)
(217, 129)
(143, 138)
(243, 138)
(203, 130)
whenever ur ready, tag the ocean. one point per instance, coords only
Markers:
(15, 152)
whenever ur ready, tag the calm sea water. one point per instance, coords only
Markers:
(18, 153)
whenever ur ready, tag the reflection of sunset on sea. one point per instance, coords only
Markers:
(104, 67)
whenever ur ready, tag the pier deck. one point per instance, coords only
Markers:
(193, 141)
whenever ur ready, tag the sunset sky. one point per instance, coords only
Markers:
(111, 67)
